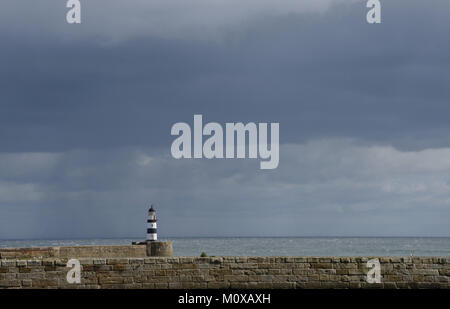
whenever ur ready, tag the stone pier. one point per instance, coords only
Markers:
(226, 272)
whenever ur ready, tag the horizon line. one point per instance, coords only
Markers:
(190, 237)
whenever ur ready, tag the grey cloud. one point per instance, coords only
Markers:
(319, 189)
(112, 21)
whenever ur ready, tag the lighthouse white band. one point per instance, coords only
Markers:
(152, 236)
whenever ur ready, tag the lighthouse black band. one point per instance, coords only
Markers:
(151, 231)
(151, 220)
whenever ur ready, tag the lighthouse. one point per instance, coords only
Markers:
(155, 247)
(151, 225)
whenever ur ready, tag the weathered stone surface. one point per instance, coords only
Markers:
(74, 252)
(32, 263)
(159, 248)
(8, 263)
(99, 261)
(226, 272)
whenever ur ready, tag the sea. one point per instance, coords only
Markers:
(275, 246)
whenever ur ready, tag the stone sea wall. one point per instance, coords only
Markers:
(227, 272)
(74, 252)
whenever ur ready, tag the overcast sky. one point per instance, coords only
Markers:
(86, 112)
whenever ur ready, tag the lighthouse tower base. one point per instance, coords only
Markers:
(159, 248)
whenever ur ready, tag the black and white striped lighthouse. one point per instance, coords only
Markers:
(155, 247)
(151, 225)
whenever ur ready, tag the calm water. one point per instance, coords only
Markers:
(300, 246)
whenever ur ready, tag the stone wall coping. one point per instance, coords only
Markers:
(43, 248)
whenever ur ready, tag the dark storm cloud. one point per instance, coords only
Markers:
(327, 75)
(86, 113)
